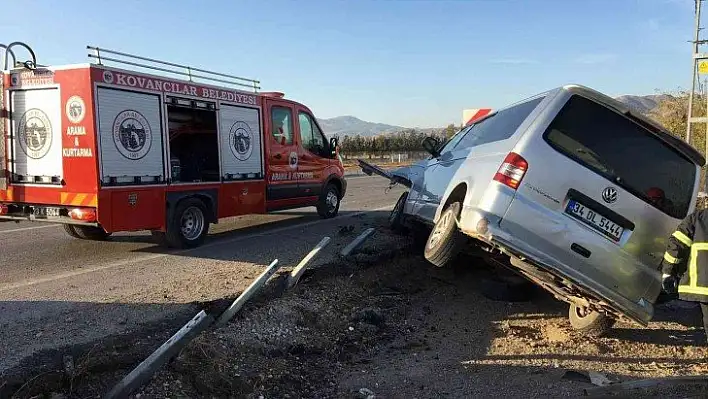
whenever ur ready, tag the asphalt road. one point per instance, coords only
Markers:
(56, 290)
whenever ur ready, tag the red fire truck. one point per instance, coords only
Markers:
(101, 149)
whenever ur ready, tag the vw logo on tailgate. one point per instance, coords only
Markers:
(609, 195)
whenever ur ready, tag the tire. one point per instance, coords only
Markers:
(328, 205)
(395, 218)
(189, 225)
(90, 233)
(445, 241)
(592, 324)
(70, 230)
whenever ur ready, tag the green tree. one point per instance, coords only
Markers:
(450, 130)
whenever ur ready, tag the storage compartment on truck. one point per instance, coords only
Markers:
(194, 144)
(241, 151)
(130, 134)
(36, 134)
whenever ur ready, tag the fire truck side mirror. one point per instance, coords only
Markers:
(333, 144)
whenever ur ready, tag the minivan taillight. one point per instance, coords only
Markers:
(512, 170)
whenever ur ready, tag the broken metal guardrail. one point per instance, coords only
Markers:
(247, 294)
(202, 321)
(199, 323)
(354, 245)
(298, 270)
(152, 363)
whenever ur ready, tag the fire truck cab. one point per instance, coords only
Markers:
(101, 149)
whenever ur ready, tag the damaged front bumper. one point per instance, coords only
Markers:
(396, 176)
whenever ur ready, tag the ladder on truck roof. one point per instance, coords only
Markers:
(7, 53)
(183, 70)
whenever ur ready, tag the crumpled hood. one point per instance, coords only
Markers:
(404, 175)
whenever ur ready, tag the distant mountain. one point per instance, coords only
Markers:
(350, 125)
(642, 104)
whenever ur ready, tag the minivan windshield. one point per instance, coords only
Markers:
(496, 126)
(625, 153)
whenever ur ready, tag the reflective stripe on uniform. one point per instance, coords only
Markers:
(683, 238)
(685, 289)
(671, 259)
(693, 287)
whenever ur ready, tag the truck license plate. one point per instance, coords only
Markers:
(43, 212)
(593, 219)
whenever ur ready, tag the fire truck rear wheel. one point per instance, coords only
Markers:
(90, 233)
(189, 225)
(70, 230)
(328, 205)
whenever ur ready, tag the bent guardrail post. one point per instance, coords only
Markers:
(354, 245)
(172, 346)
(298, 271)
(247, 294)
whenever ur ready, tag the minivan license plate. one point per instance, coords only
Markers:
(600, 223)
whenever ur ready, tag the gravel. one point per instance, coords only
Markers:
(385, 326)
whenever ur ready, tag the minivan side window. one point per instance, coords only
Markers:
(499, 126)
(625, 153)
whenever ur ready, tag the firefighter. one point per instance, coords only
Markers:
(685, 264)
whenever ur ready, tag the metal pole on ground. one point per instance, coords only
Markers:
(172, 346)
(354, 245)
(297, 272)
(247, 294)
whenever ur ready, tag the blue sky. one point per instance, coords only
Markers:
(410, 63)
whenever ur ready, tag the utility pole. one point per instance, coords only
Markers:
(695, 57)
(699, 67)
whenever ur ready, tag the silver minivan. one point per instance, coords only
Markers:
(580, 193)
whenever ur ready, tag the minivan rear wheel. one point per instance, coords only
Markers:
(445, 241)
(589, 322)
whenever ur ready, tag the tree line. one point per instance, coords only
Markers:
(408, 140)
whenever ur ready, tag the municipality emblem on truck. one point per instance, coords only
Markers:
(35, 133)
(240, 140)
(132, 134)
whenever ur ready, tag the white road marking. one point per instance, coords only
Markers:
(125, 262)
(46, 226)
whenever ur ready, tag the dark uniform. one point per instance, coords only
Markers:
(686, 257)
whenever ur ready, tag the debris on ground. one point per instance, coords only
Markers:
(391, 325)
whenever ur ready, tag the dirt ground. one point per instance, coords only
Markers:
(389, 325)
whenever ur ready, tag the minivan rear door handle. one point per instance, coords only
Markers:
(579, 249)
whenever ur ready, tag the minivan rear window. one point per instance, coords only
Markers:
(625, 153)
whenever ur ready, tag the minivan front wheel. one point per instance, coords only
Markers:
(589, 322)
(445, 241)
(395, 218)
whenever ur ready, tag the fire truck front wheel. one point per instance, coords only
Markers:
(86, 232)
(328, 205)
(189, 225)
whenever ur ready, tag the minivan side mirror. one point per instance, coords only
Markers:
(432, 146)
(333, 143)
